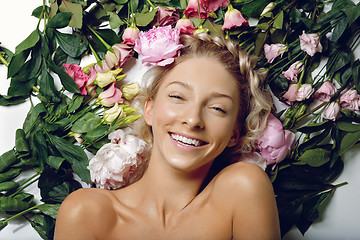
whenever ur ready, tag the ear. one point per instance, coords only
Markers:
(148, 111)
(234, 138)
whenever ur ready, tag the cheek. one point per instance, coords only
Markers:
(165, 113)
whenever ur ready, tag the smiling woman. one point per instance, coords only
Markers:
(196, 112)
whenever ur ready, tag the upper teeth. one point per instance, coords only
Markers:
(186, 140)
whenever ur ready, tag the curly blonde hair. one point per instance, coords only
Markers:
(255, 100)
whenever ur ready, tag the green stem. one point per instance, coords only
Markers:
(24, 185)
(108, 47)
(340, 184)
(150, 3)
(3, 60)
(313, 110)
(98, 60)
(21, 213)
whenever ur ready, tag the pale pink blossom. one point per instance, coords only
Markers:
(192, 10)
(275, 143)
(233, 18)
(159, 46)
(119, 163)
(325, 92)
(290, 95)
(130, 35)
(310, 43)
(80, 78)
(186, 26)
(350, 100)
(110, 96)
(331, 111)
(167, 16)
(116, 58)
(293, 71)
(256, 158)
(274, 50)
(91, 87)
(213, 5)
(304, 92)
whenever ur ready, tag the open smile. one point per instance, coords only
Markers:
(187, 141)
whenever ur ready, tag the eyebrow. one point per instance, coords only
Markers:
(187, 86)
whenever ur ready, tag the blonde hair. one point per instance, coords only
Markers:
(255, 101)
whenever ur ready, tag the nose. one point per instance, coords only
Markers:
(193, 118)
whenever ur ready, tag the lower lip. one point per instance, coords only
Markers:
(185, 147)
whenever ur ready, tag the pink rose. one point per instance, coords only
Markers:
(310, 43)
(325, 92)
(110, 96)
(275, 143)
(80, 78)
(186, 26)
(331, 111)
(119, 163)
(130, 35)
(192, 10)
(167, 15)
(120, 55)
(304, 92)
(273, 51)
(350, 100)
(213, 5)
(159, 46)
(233, 18)
(293, 71)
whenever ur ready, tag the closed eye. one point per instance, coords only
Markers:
(176, 96)
(219, 109)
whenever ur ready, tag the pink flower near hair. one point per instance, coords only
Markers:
(273, 51)
(293, 71)
(186, 26)
(290, 95)
(192, 10)
(325, 92)
(294, 94)
(110, 96)
(350, 100)
(119, 163)
(310, 43)
(233, 18)
(80, 78)
(213, 5)
(118, 58)
(275, 143)
(167, 16)
(130, 35)
(331, 111)
(159, 46)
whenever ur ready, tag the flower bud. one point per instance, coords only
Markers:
(130, 34)
(268, 9)
(77, 137)
(130, 90)
(104, 79)
(131, 118)
(115, 112)
(201, 29)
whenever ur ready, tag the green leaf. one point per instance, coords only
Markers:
(44, 225)
(356, 74)
(339, 29)
(29, 42)
(315, 157)
(40, 148)
(279, 21)
(75, 155)
(20, 141)
(55, 162)
(49, 209)
(75, 103)
(11, 204)
(19, 88)
(348, 141)
(115, 20)
(144, 19)
(47, 86)
(68, 83)
(314, 141)
(7, 159)
(352, 13)
(76, 13)
(315, 127)
(96, 134)
(10, 174)
(71, 44)
(254, 8)
(8, 100)
(86, 123)
(348, 127)
(60, 20)
(8, 185)
(17, 62)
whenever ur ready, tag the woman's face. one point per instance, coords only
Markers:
(193, 115)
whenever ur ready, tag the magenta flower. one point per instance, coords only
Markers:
(186, 26)
(159, 46)
(331, 111)
(293, 71)
(310, 43)
(167, 16)
(273, 51)
(192, 10)
(130, 35)
(233, 18)
(275, 143)
(325, 92)
(110, 96)
(350, 100)
(80, 78)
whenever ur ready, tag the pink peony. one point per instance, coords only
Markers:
(110, 96)
(331, 111)
(192, 10)
(130, 35)
(167, 16)
(213, 5)
(275, 143)
(119, 163)
(80, 78)
(325, 92)
(293, 71)
(273, 51)
(186, 26)
(310, 43)
(233, 18)
(159, 46)
(350, 100)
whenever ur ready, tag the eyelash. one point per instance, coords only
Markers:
(219, 109)
(175, 96)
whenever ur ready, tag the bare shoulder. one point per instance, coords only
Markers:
(245, 191)
(85, 213)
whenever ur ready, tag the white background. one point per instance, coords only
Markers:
(340, 219)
